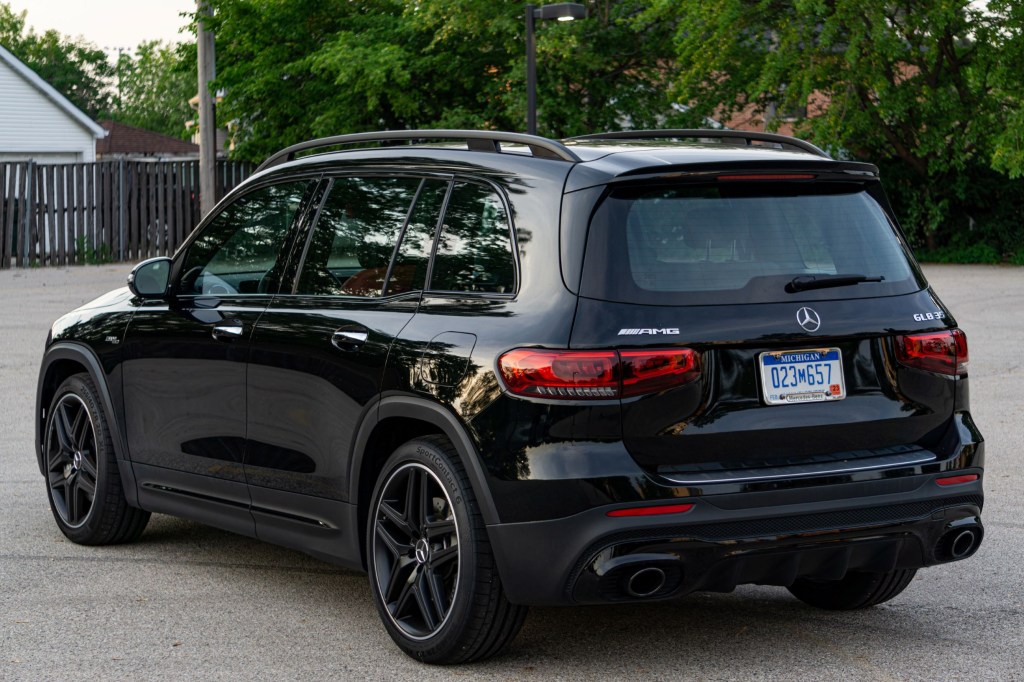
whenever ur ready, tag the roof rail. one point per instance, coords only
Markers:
(749, 137)
(476, 140)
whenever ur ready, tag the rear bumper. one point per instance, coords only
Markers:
(729, 540)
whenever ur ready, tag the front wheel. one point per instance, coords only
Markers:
(82, 480)
(432, 571)
(856, 590)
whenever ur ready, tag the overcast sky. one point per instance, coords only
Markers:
(109, 23)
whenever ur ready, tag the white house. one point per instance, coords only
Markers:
(39, 123)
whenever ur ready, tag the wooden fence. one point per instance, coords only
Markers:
(122, 210)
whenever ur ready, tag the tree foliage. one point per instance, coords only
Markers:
(933, 87)
(305, 68)
(154, 86)
(77, 69)
(149, 89)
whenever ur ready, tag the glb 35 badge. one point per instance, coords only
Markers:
(936, 315)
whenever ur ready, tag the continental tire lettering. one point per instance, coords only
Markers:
(440, 465)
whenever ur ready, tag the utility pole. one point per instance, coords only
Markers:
(207, 114)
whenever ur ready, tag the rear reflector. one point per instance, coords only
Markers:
(602, 374)
(957, 480)
(944, 352)
(769, 176)
(652, 511)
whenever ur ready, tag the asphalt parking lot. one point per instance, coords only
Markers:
(192, 603)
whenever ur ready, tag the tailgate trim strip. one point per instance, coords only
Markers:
(804, 470)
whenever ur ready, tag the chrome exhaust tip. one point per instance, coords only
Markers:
(963, 543)
(645, 582)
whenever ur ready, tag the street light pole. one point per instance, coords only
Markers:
(207, 115)
(562, 11)
(531, 72)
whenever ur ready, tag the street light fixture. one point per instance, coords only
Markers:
(562, 11)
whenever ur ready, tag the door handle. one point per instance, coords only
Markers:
(226, 332)
(349, 338)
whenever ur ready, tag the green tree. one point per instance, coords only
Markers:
(306, 68)
(919, 85)
(155, 85)
(77, 69)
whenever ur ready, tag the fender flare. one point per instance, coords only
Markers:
(84, 355)
(427, 411)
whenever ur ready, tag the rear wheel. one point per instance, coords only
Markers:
(82, 481)
(857, 590)
(432, 571)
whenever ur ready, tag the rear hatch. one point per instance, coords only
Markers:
(798, 295)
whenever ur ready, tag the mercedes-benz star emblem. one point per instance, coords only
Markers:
(422, 551)
(808, 319)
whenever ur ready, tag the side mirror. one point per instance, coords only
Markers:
(149, 278)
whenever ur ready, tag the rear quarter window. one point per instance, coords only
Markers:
(742, 243)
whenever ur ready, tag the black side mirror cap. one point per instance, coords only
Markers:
(149, 279)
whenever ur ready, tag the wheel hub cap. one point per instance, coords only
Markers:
(76, 460)
(422, 551)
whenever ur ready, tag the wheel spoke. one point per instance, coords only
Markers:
(62, 426)
(412, 488)
(437, 529)
(423, 510)
(86, 485)
(440, 557)
(398, 581)
(55, 477)
(397, 549)
(88, 466)
(59, 460)
(80, 429)
(423, 603)
(71, 500)
(404, 595)
(437, 592)
(396, 518)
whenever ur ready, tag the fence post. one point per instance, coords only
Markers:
(121, 209)
(30, 210)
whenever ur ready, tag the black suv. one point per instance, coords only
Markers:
(496, 370)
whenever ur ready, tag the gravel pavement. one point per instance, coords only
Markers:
(188, 602)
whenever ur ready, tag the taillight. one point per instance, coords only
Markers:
(602, 374)
(944, 352)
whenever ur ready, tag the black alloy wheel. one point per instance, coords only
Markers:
(82, 480)
(432, 571)
(71, 469)
(416, 550)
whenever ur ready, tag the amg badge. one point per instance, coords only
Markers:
(637, 332)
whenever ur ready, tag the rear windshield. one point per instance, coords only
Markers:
(741, 242)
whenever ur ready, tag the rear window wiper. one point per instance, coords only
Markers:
(807, 282)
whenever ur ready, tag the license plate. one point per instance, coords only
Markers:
(802, 376)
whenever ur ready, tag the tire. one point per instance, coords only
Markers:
(82, 481)
(432, 572)
(857, 590)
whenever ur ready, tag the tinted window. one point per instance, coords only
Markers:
(696, 243)
(239, 251)
(410, 270)
(351, 246)
(474, 251)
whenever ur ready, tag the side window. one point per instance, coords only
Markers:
(351, 247)
(410, 270)
(239, 251)
(474, 250)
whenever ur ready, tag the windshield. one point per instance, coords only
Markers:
(742, 243)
